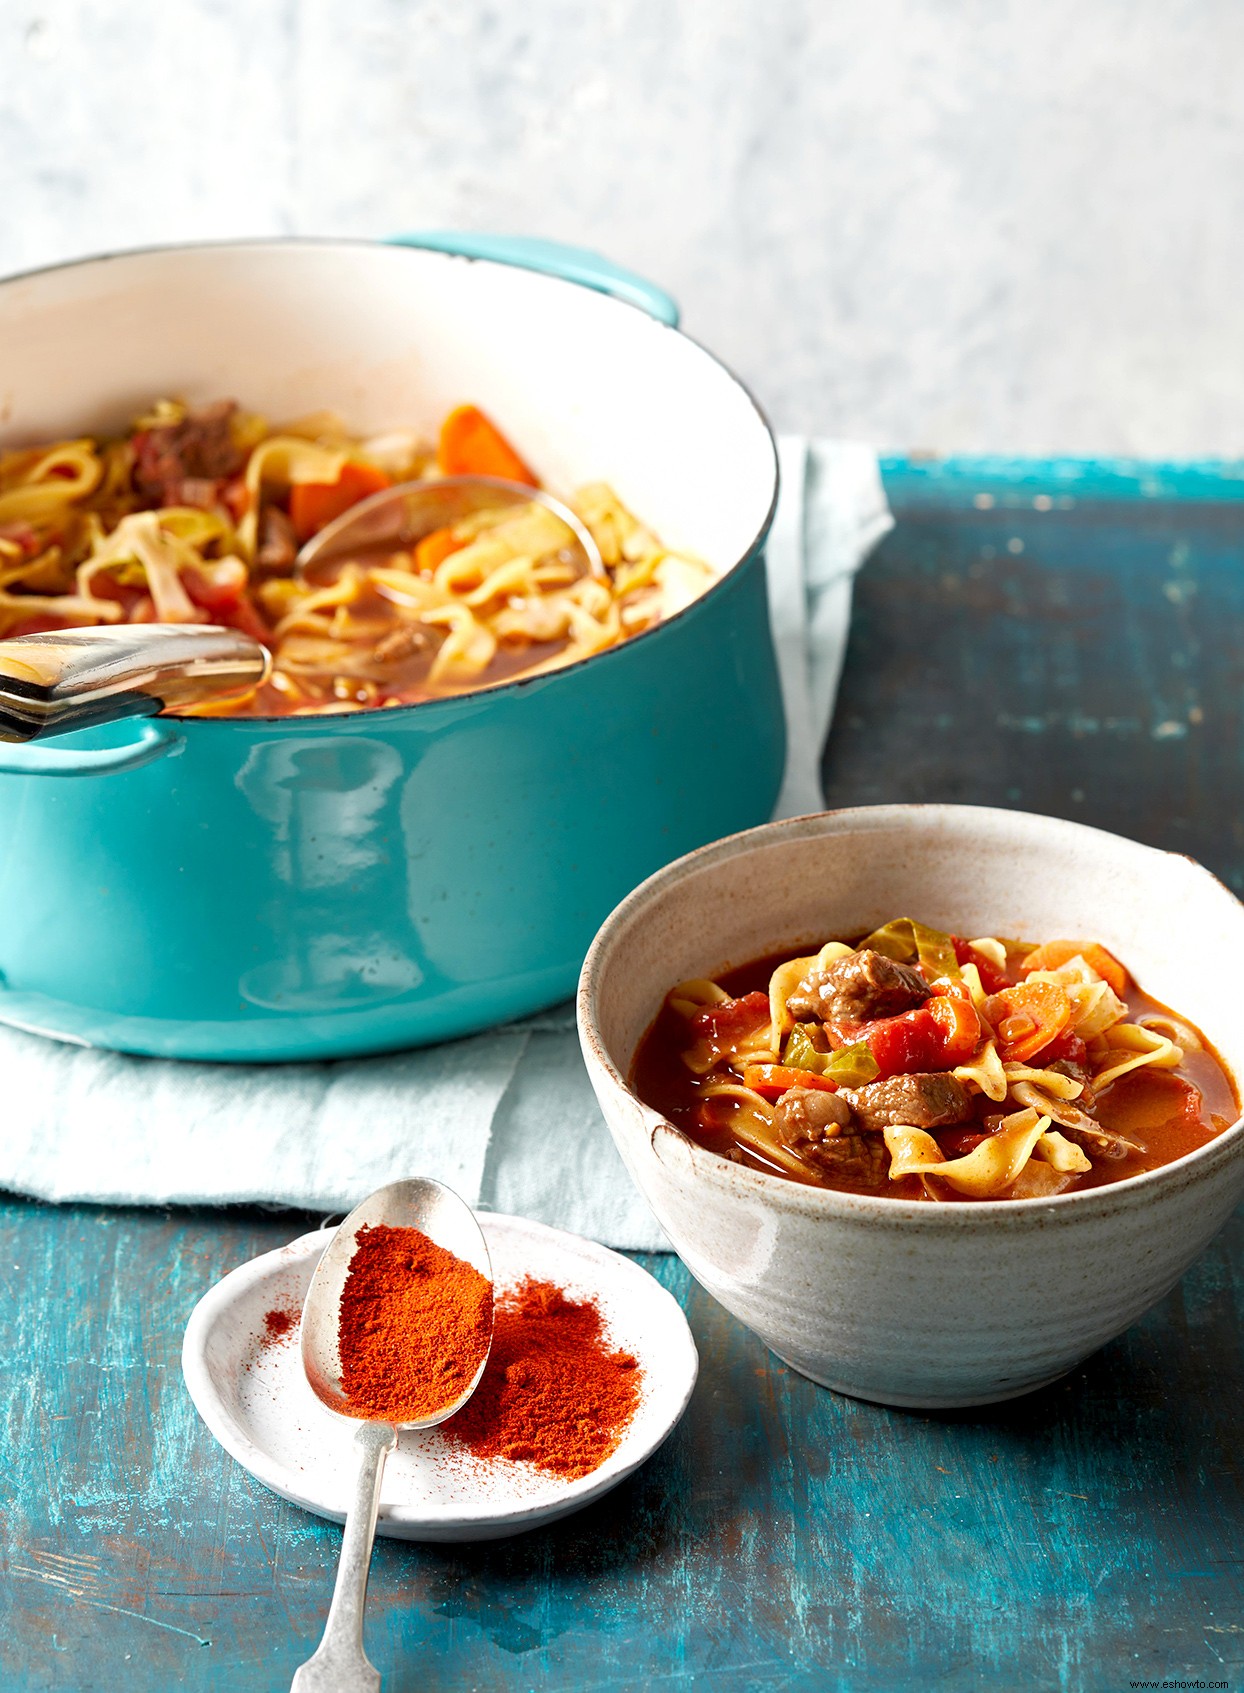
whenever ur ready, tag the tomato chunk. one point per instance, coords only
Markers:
(1068, 1046)
(938, 1035)
(993, 980)
(900, 1045)
(734, 1019)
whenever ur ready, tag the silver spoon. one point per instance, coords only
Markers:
(75, 678)
(339, 1664)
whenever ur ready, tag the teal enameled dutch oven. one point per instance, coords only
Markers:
(310, 888)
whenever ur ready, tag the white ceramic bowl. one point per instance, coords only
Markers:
(898, 1301)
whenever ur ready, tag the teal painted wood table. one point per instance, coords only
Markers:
(1061, 637)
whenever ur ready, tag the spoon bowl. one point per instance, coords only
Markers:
(423, 1204)
(339, 1664)
(402, 515)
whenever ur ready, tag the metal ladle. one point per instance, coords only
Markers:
(402, 515)
(71, 679)
(340, 1664)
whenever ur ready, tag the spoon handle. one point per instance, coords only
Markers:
(339, 1664)
(74, 678)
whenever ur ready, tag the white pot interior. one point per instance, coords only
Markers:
(588, 388)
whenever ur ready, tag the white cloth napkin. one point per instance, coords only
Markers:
(507, 1118)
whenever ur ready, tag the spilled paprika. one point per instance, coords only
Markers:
(413, 1325)
(280, 1321)
(555, 1393)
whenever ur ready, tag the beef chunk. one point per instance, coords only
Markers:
(1076, 1072)
(857, 988)
(851, 1158)
(806, 1116)
(278, 544)
(927, 1100)
(185, 463)
(811, 1124)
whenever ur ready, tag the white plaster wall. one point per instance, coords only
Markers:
(971, 224)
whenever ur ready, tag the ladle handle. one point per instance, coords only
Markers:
(66, 679)
(339, 1664)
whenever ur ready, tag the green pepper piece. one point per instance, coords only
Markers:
(851, 1066)
(800, 1054)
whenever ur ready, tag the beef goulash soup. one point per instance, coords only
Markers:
(196, 517)
(923, 1066)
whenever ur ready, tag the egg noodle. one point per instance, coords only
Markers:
(195, 517)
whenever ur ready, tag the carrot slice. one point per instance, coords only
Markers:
(1043, 1006)
(435, 548)
(1054, 954)
(772, 1080)
(314, 505)
(472, 446)
(959, 1024)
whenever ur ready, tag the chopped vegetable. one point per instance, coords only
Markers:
(802, 1055)
(960, 1027)
(904, 939)
(900, 1045)
(435, 548)
(938, 1035)
(472, 446)
(1028, 1017)
(733, 1019)
(1067, 1047)
(771, 1081)
(1054, 954)
(314, 505)
(993, 980)
(852, 1066)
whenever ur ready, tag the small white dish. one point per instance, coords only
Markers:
(250, 1390)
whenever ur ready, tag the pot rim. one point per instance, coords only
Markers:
(737, 1181)
(518, 684)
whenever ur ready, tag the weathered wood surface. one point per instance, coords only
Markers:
(1084, 660)
(1087, 1537)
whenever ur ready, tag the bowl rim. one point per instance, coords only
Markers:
(518, 684)
(738, 1180)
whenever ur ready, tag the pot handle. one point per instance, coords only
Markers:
(153, 739)
(552, 258)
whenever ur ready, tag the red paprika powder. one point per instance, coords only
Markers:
(555, 1393)
(413, 1325)
(278, 1323)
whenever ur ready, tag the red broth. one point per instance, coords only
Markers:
(1168, 1113)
